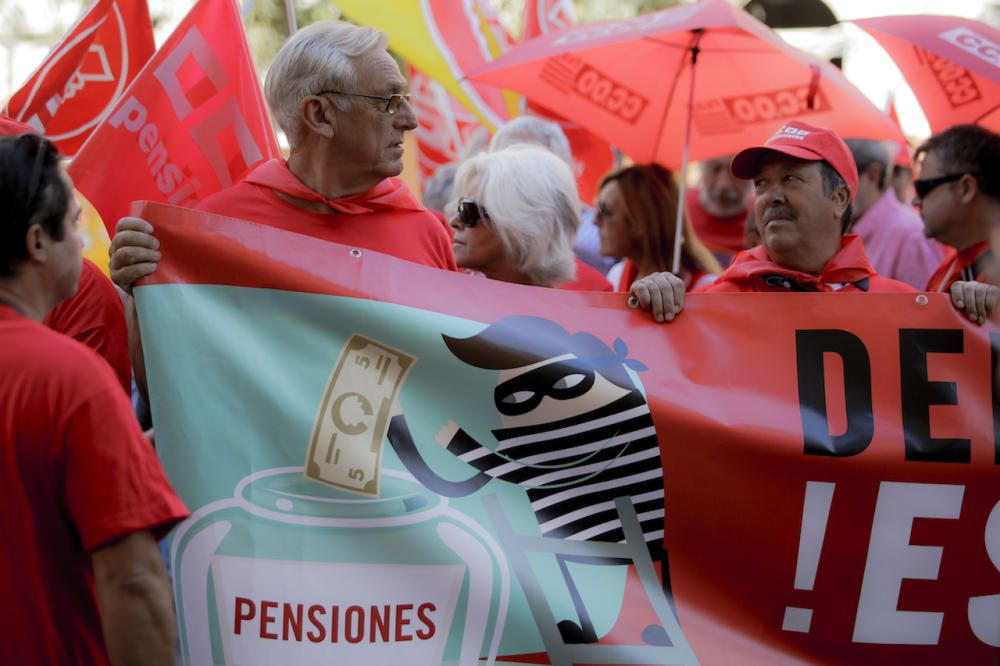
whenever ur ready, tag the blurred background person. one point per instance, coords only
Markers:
(892, 233)
(902, 174)
(636, 214)
(587, 244)
(718, 208)
(516, 214)
(437, 190)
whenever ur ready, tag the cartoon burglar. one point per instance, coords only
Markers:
(577, 434)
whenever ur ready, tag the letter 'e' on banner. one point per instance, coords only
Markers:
(85, 72)
(192, 123)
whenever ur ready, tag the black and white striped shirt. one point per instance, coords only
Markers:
(574, 469)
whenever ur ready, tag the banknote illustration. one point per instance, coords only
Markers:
(345, 448)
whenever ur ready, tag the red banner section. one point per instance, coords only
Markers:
(829, 460)
(86, 72)
(192, 123)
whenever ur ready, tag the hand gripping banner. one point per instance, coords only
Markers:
(391, 464)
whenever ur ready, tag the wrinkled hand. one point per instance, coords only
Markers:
(134, 252)
(661, 293)
(977, 299)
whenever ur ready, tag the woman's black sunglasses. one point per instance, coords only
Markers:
(470, 213)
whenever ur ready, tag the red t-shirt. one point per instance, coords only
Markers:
(847, 271)
(76, 474)
(722, 235)
(588, 278)
(385, 219)
(969, 265)
(95, 317)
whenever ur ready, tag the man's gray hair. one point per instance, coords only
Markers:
(868, 152)
(536, 131)
(531, 200)
(317, 57)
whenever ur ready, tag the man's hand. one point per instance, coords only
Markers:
(662, 293)
(977, 299)
(134, 252)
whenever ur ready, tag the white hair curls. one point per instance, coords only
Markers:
(530, 198)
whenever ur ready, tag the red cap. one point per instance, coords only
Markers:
(806, 142)
(10, 127)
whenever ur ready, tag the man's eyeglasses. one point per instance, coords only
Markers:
(392, 102)
(925, 186)
(469, 212)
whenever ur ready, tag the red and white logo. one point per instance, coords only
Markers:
(86, 72)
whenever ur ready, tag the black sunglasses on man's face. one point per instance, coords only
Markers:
(469, 212)
(925, 186)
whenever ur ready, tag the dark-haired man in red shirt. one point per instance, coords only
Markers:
(84, 496)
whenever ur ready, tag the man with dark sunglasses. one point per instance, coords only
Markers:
(958, 195)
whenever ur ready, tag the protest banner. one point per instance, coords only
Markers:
(771, 478)
(85, 73)
(191, 123)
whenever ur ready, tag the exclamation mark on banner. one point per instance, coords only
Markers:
(815, 512)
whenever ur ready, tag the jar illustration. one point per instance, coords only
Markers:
(289, 571)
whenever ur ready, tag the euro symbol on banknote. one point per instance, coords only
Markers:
(345, 448)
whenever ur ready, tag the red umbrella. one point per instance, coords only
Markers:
(694, 81)
(952, 64)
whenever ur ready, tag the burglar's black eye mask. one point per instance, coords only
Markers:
(561, 381)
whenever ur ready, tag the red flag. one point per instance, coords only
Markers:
(902, 156)
(86, 72)
(592, 156)
(192, 122)
(445, 125)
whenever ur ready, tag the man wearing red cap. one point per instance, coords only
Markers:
(804, 180)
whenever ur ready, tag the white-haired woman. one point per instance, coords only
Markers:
(515, 213)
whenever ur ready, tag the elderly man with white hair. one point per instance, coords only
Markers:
(590, 265)
(343, 104)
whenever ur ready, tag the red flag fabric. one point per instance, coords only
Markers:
(192, 123)
(85, 73)
(592, 157)
(445, 125)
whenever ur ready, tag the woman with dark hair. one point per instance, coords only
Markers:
(636, 213)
